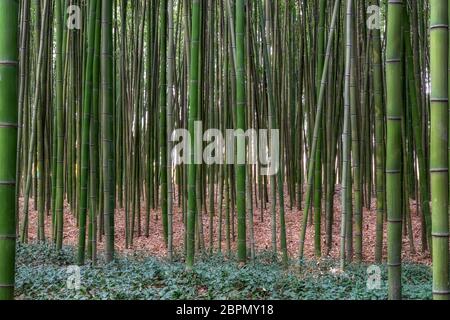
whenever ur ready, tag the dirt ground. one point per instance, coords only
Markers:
(154, 244)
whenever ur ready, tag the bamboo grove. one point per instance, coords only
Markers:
(357, 89)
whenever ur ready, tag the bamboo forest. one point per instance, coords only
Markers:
(224, 149)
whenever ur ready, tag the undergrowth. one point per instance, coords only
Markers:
(43, 273)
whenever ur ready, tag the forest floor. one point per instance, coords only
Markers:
(154, 243)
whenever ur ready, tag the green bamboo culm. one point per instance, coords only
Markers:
(107, 127)
(346, 134)
(94, 141)
(87, 99)
(317, 206)
(377, 74)
(240, 124)
(169, 112)
(8, 136)
(163, 115)
(193, 107)
(439, 146)
(59, 185)
(394, 104)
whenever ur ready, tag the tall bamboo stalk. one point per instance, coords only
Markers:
(107, 127)
(394, 104)
(439, 55)
(9, 54)
(193, 107)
